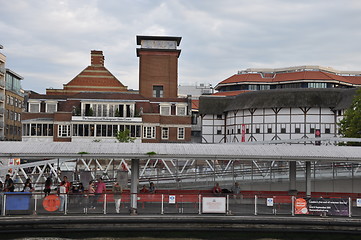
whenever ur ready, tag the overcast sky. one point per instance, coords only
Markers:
(48, 42)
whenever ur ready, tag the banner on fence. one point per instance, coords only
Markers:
(214, 205)
(318, 206)
(18, 201)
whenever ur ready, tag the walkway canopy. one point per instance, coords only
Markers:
(238, 151)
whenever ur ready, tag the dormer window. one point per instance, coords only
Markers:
(34, 106)
(181, 110)
(51, 106)
(165, 109)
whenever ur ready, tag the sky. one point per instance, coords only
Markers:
(48, 42)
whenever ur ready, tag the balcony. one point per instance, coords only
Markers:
(2, 70)
(2, 110)
(1, 124)
(2, 83)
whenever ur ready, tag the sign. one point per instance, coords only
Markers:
(171, 199)
(320, 206)
(301, 206)
(358, 202)
(243, 138)
(214, 205)
(317, 135)
(51, 203)
(269, 202)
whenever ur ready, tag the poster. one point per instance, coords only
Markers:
(320, 206)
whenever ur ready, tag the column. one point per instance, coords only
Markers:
(308, 178)
(134, 186)
(292, 178)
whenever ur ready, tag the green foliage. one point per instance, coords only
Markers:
(151, 153)
(89, 112)
(124, 136)
(350, 125)
(83, 153)
(117, 113)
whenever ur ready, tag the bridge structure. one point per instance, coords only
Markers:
(174, 164)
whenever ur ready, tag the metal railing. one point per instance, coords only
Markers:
(158, 204)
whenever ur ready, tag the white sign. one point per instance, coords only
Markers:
(171, 199)
(214, 205)
(358, 202)
(269, 202)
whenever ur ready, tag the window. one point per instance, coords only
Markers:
(149, 132)
(297, 129)
(164, 109)
(327, 130)
(158, 91)
(165, 133)
(180, 133)
(50, 107)
(283, 129)
(34, 107)
(181, 110)
(63, 130)
(269, 129)
(219, 116)
(219, 131)
(258, 130)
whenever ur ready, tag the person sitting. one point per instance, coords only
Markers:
(217, 190)
(144, 189)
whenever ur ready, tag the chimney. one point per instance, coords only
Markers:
(97, 58)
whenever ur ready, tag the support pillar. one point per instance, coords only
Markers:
(308, 178)
(134, 187)
(292, 178)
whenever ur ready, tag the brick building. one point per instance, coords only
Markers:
(95, 105)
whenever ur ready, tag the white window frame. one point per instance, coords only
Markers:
(181, 133)
(165, 106)
(51, 103)
(34, 103)
(181, 106)
(149, 132)
(64, 130)
(165, 133)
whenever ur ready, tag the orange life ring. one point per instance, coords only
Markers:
(51, 203)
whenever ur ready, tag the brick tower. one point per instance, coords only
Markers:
(158, 66)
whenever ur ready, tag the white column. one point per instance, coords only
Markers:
(308, 178)
(134, 186)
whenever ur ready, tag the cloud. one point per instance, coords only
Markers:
(49, 42)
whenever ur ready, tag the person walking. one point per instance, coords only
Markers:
(47, 187)
(117, 191)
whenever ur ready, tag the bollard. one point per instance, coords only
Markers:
(255, 205)
(105, 204)
(162, 206)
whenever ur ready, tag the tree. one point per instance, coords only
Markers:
(124, 136)
(350, 125)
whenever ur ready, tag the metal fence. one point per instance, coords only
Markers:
(20, 203)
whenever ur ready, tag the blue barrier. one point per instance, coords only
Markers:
(17, 201)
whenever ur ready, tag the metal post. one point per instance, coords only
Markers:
(35, 203)
(4, 205)
(255, 205)
(66, 205)
(308, 178)
(199, 203)
(105, 204)
(293, 205)
(162, 206)
(349, 207)
(227, 205)
(134, 187)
